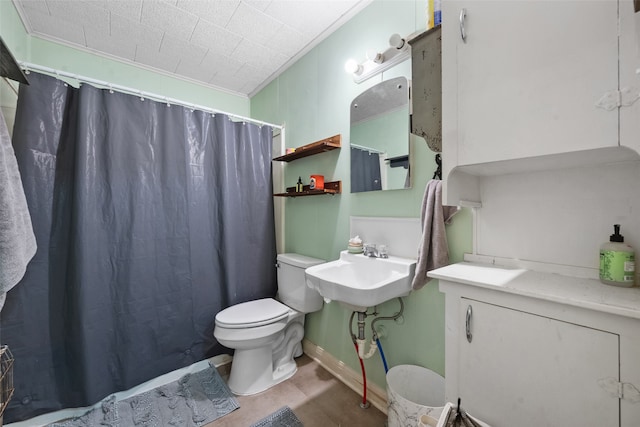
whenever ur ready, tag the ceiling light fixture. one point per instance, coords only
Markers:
(398, 51)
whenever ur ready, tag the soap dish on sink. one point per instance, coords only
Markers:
(355, 249)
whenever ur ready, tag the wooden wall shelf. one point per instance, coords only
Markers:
(332, 187)
(317, 147)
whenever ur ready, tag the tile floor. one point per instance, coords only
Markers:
(317, 398)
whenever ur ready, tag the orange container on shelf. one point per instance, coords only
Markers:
(316, 182)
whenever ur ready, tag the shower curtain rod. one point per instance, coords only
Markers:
(370, 150)
(148, 95)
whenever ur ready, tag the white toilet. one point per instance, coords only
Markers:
(267, 334)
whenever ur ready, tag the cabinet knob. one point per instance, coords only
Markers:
(468, 324)
(463, 16)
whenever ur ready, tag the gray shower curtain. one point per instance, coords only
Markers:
(149, 220)
(365, 171)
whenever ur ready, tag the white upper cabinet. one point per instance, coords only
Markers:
(531, 85)
(629, 76)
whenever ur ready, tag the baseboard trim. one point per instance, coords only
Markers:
(352, 379)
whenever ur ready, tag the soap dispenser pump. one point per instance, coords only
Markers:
(617, 261)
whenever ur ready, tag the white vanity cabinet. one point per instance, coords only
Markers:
(536, 79)
(545, 371)
(537, 349)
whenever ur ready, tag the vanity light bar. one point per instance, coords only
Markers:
(398, 51)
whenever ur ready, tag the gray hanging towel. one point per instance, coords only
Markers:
(17, 241)
(433, 251)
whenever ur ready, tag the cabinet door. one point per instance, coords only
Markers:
(629, 75)
(525, 370)
(529, 76)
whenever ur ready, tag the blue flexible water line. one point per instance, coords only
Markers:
(384, 361)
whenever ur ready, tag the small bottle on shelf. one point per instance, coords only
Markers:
(299, 185)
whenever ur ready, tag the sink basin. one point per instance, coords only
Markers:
(358, 281)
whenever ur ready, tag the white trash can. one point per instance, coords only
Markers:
(413, 391)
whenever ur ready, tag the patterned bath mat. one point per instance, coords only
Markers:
(283, 417)
(192, 401)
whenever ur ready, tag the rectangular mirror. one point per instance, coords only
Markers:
(379, 141)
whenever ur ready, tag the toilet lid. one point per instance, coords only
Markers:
(252, 313)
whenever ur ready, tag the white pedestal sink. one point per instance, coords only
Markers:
(359, 282)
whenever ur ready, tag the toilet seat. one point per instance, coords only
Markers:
(252, 314)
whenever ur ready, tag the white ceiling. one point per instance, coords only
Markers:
(234, 45)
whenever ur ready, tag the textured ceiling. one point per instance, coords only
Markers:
(234, 45)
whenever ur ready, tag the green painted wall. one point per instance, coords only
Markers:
(12, 30)
(38, 51)
(312, 99)
(15, 37)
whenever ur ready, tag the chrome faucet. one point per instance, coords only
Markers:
(383, 251)
(370, 250)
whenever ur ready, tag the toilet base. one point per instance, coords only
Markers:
(254, 370)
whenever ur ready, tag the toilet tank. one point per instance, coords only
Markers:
(292, 287)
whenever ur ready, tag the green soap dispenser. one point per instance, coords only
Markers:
(617, 261)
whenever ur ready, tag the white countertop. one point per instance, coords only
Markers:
(586, 293)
